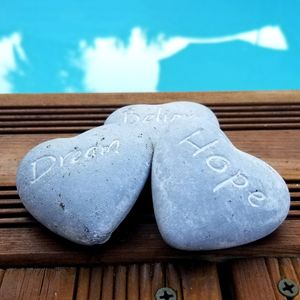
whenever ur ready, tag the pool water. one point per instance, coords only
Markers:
(147, 46)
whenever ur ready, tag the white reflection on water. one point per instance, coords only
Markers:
(110, 65)
(10, 51)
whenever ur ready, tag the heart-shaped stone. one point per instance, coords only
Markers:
(83, 187)
(154, 119)
(207, 194)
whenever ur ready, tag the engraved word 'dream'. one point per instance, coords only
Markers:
(43, 165)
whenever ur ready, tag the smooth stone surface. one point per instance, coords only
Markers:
(207, 194)
(83, 187)
(154, 119)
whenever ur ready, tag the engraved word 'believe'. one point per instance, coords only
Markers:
(131, 117)
(44, 164)
(221, 164)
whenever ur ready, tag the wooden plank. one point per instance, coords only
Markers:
(133, 286)
(287, 271)
(278, 148)
(58, 283)
(11, 202)
(101, 113)
(27, 246)
(256, 112)
(274, 273)
(200, 281)
(60, 115)
(251, 280)
(45, 129)
(17, 221)
(9, 211)
(96, 121)
(8, 193)
(104, 108)
(247, 122)
(120, 282)
(113, 282)
(107, 283)
(296, 264)
(158, 278)
(173, 279)
(82, 290)
(280, 269)
(95, 288)
(261, 97)
(54, 116)
(11, 287)
(19, 111)
(145, 282)
(50, 123)
(32, 284)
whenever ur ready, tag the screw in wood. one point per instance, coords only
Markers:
(288, 288)
(165, 293)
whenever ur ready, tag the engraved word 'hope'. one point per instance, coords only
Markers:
(220, 164)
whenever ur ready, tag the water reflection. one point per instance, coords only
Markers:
(10, 51)
(108, 64)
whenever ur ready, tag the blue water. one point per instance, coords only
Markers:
(115, 46)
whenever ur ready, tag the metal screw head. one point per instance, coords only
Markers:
(165, 293)
(288, 288)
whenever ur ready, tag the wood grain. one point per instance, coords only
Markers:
(133, 287)
(200, 281)
(38, 246)
(173, 279)
(66, 100)
(30, 283)
(252, 280)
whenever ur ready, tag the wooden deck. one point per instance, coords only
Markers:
(36, 264)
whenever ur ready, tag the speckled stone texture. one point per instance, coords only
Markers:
(154, 119)
(83, 187)
(207, 194)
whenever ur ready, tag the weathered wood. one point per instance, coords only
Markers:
(158, 278)
(96, 287)
(251, 280)
(83, 284)
(133, 287)
(120, 282)
(239, 98)
(11, 287)
(37, 246)
(200, 281)
(145, 282)
(173, 279)
(107, 291)
(112, 282)
(57, 283)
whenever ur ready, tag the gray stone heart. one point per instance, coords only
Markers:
(207, 194)
(154, 119)
(83, 187)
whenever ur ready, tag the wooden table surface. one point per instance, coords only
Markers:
(135, 263)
